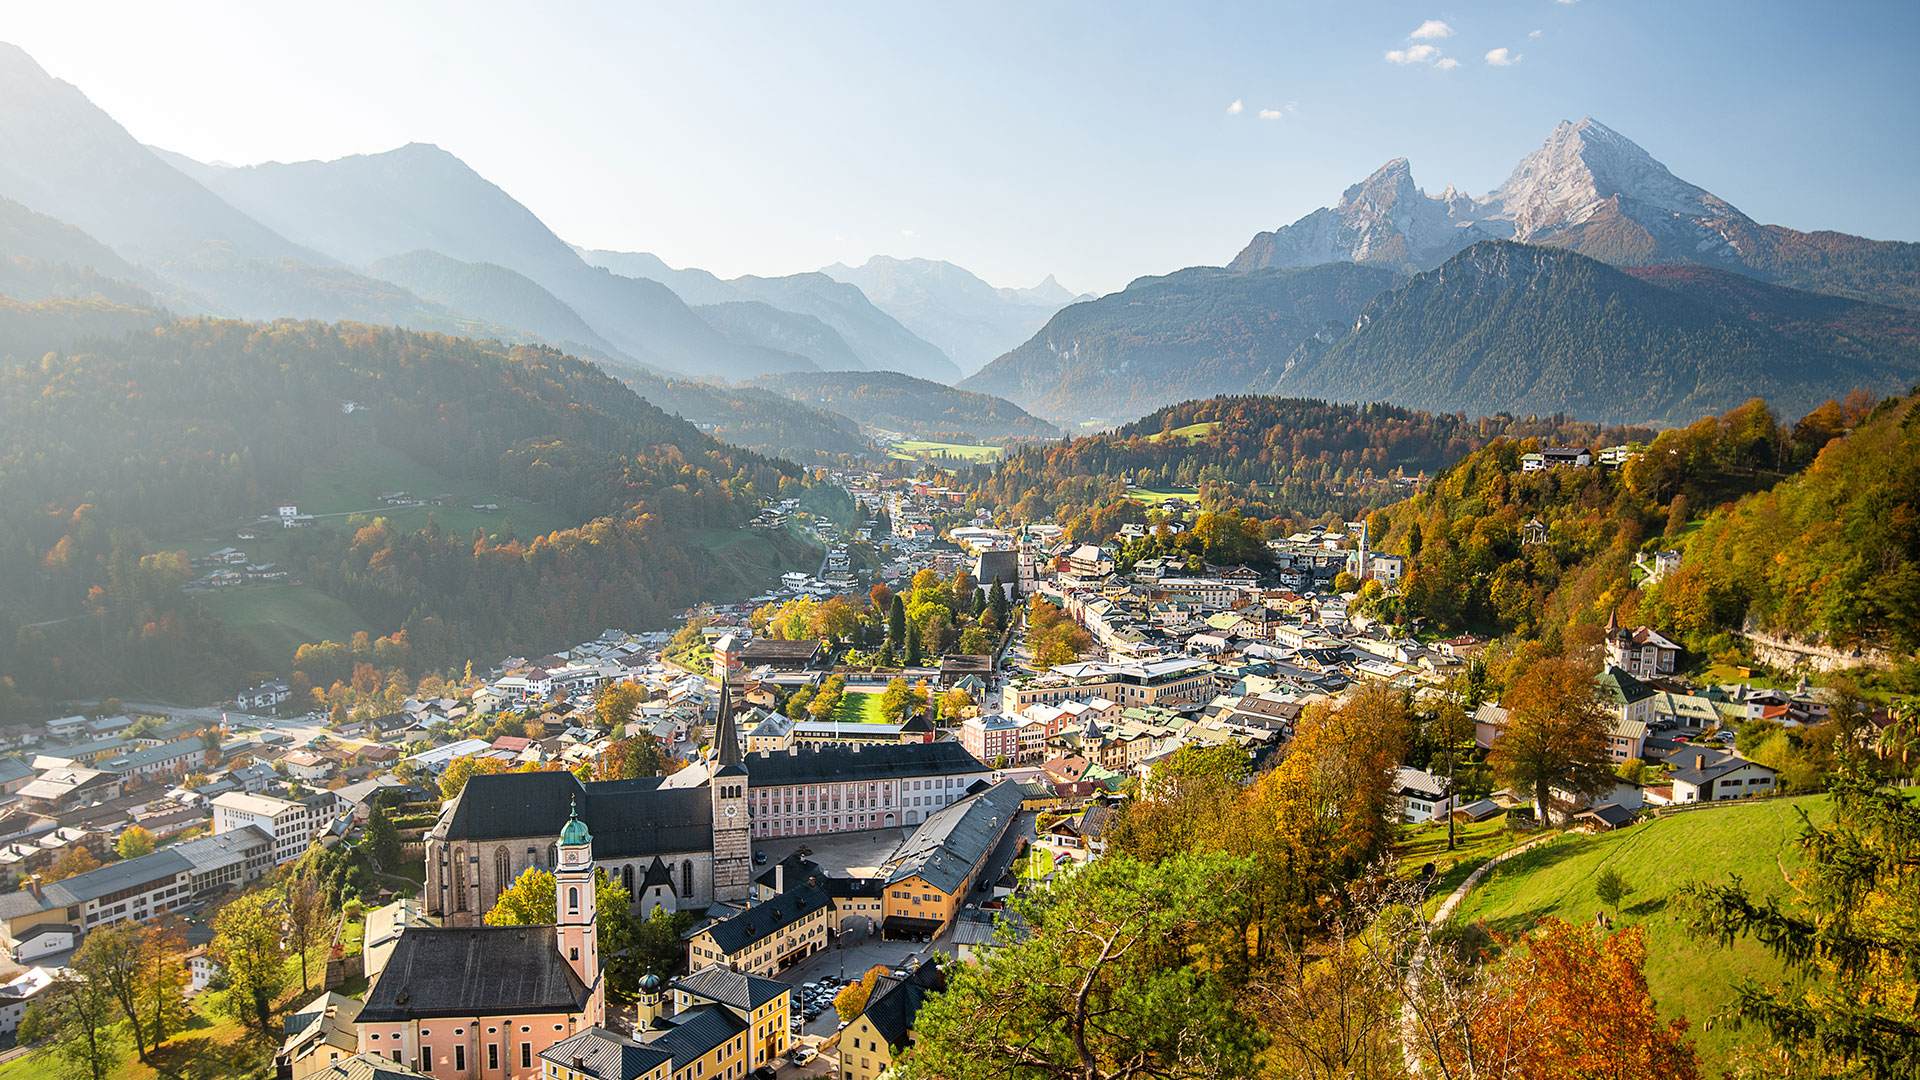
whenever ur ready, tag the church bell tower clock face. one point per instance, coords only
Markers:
(732, 810)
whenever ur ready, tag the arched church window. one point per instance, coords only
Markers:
(573, 898)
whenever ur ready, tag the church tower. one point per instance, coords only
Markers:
(732, 824)
(575, 912)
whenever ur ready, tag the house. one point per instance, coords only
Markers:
(1423, 796)
(1703, 775)
(768, 937)
(1566, 457)
(1641, 652)
(884, 1029)
(1631, 702)
(24, 990)
(930, 876)
(724, 1023)
(599, 1054)
(318, 1034)
(202, 969)
(292, 824)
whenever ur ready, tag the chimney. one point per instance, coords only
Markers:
(33, 884)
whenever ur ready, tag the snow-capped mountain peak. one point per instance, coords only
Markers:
(1583, 173)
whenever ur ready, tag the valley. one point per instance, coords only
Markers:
(562, 564)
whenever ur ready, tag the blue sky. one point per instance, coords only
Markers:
(1090, 140)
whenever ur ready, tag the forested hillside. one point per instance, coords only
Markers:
(1471, 566)
(1535, 329)
(1193, 333)
(117, 442)
(1832, 554)
(1267, 457)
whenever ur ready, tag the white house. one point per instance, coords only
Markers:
(1711, 776)
(1423, 796)
(20, 993)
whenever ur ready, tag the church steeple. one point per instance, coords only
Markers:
(576, 910)
(726, 738)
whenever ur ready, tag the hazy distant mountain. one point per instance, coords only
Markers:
(753, 322)
(918, 407)
(1195, 333)
(970, 320)
(367, 207)
(63, 157)
(876, 338)
(692, 284)
(507, 296)
(1592, 190)
(1519, 328)
(41, 258)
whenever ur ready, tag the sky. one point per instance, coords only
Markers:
(1095, 141)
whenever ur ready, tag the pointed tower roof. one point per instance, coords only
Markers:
(726, 738)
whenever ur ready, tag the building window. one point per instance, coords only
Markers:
(493, 1056)
(573, 898)
(526, 1056)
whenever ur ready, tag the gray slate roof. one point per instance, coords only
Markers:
(845, 765)
(601, 1053)
(740, 990)
(695, 1037)
(94, 884)
(768, 917)
(628, 818)
(947, 846)
(892, 1011)
(469, 971)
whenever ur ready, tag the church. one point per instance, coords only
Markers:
(684, 841)
(489, 1000)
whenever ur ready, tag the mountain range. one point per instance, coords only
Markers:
(1592, 190)
(971, 320)
(412, 237)
(1510, 302)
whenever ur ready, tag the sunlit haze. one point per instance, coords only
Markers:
(1097, 142)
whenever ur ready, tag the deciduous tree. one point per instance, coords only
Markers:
(134, 842)
(1556, 734)
(247, 943)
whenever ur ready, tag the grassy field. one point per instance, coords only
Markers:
(278, 618)
(914, 450)
(1474, 844)
(858, 707)
(1155, 498)
(1688, 977)
(1192, 433)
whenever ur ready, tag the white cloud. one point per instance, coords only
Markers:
(1501, 58)
(1236, 108)
(1418, 54)
(1432, 28)
(1271, 114)
(1534, 34)
(908, 233)
(1566, 1)
(1292, 105)
(1448, 64)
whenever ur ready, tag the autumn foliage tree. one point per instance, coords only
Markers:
(1556, 737)
(1574, 1004)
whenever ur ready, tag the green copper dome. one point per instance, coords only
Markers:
(575, 830)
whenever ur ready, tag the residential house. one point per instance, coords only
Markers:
(1422, 795)
(319, 1034)
(291, 823)
(884, 1029)
(1703, 775)
(768, 937)
(931, 875)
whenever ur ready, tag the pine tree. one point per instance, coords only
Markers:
(897, 623)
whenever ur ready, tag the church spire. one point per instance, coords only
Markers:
(726, 740)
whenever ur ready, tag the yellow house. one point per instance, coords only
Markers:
(932, 874)
(769, 936)
(884, 1030)
(726, 1024)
